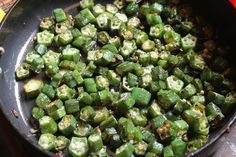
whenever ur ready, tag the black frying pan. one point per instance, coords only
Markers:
(19, 28)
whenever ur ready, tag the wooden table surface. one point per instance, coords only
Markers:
(11, 144)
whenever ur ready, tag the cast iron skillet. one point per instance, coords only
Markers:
(16, 36)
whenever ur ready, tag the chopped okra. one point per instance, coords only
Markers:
(126, 78)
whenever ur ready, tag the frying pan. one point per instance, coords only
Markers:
(16, 36)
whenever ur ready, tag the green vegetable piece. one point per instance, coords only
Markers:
(42, 100)
(178, 147)
(71, 54)
(61, 143)
(51, 57)
(132, 8)
(114, 78)
(89, 31)
(22, 71)
(83, 130)
(72, 106)
(141, 96)
(140, 148)
(153, 19)
(167, 98)
(84, 17)
(103, 37)
(95, 142)
(47, 125)
(156, 31)
(125, 102)
(154, 109)
(48, 90)
(45, 37)
(78, 147)
(155, 148)
(108, 123)
(87, 113)
(67, 125)
(37, 113)
(168, 152)
(90, 85)
(59, 15)
(65, 93)
(216, 98)
(101, 114)
(32, 87)
(128, 48)
(135, 115)
(148, 45)
(188, 42)
(47, 141)
(86, 4)
(41, 49)
(125, 150)
(188, 91)
(174, 83)
(98, 9)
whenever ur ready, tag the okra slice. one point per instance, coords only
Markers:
(140, 148)
(98, 9)
(65, 38)
(168, 131)
(65, 93)
(87, 113)
(154, 109)
(114, 78)
(155, 147)
(78, 147)
(101, 153)
(103, 37)
(148, 45)
(59, 15)
(125, 150)
(83, 130)
(101, 114)
(72, 106)
(42, 100)
(111, 8)
(67, 125)
(22, 71)
(122, 17)
(132, 8)
(48, 90)
(41, 49)
(90, 85)
(167, 98)
(128, 48)
(47, 141)
(69, 79)
(51, 57)
(45, 37)
(188, 42)
(188, 91)
(84, 17)
(37, 113)
(103, 20)
(71, 54)
(174, 83)
(214, 114)
(46, 23)
(95, 142)
(89, 31)
(134, 22)
(168, 151)
(108, 123)
(61, 143)
(135, 115)
(216, 98)
(182, 127)
(47, 125)
(141, 96)
(86, 4)
(32, 87)
(125, 103)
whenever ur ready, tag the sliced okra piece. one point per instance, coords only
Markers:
(156, 31)
(61, 143)
(45, 37)
(140, 148)
(107, 56)
(83, 130)
(47, 125)
(154, 109)
(149, 154)
(69, 79)
(47, 141)
(108, 123)
(54, 105)
(65, 93)
(75, 32)
(122, 17)
(178, 147)
(41, 49)
(197, 62)
(158, 121)
(188, 42)
(103, 37)
(132, 8)
(77, 76)
(48, 90)
(148, 45)
(103, 20)
(135, 115)
(85, 98)
(181, 105)
(168, 151)
(80, 41)
(216, 98)
(156, 7)
(90, 85)
(104, 97)
(23, 71)
(59, 15)
(62, 27)
(153, 19)
(168, 131)
(101, 153)
(134, 22)
(188, 91)
(111, 8)
(114, 78)
(198, 99)
(174, 83)
(141, 37)
(171, 37)
(158, 73)
(37, 65)
(87, 113)
(98, 9)
(128, 48)
(132, 80)
(89, 46)
(111, 137)
(72, 106)
(51, 57)
(125, 103)
(115, 41)
(89, 31)
(86, 4)
(124, 150)
(167, 98)
(85, 17)
(65, 38)
(141, 96)
(125, 67)
(95, 142)
(89, 70)
(214, 114)
(101, 114)
(32, 87)
(110, 47)
(230, 102)
(155, 147)
(71, 54)
(78, 147)
(182, 127)
(52, 69)
(58, 114)
(119, 4)
(148, 136)
(42, 100)
(115, 24)
(37, 113)
(46, 23)
(67, 125)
